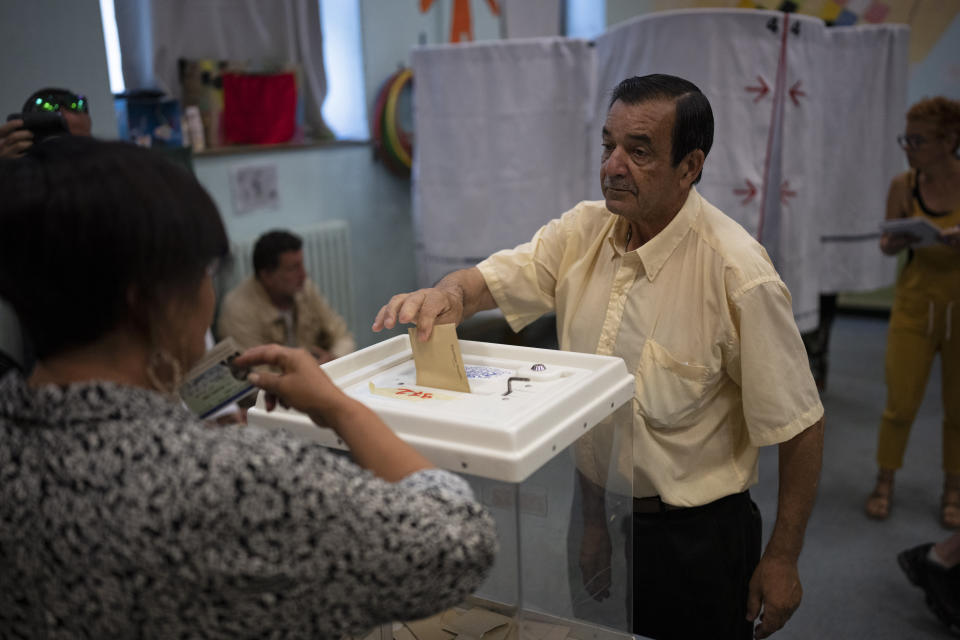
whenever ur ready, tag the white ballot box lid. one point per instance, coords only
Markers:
(526, 405)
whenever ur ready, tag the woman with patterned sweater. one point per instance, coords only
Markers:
(121, 514)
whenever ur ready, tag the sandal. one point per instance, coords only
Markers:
(878, 502)
(950, 503)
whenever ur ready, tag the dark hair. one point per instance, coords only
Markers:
(83, 222)
(58, 94)
(269, 246)
(693, 124)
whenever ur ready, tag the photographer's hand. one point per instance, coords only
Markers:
(14, 141)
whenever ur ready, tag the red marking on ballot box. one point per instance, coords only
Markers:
(761, 91)
(749, 192)
(403, 391)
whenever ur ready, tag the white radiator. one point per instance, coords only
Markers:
(326, 256)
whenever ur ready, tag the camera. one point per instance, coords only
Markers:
(43, 125)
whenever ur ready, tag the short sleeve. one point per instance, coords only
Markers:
(780, 398)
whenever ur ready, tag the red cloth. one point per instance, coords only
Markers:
(259, 108)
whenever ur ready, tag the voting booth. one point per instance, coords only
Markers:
(535, 425)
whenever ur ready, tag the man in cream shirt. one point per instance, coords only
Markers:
(280, 305)
(661, 278)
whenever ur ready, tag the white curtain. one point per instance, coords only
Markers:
(803, 149)
(765, 167)
(501, 145)
(866, 72)
(155, 34)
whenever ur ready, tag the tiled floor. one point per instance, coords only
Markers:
(853, 587)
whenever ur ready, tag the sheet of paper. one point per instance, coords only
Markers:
(438, 360)
(927, 233)
(214, 382)
(450, 615)
(430, 629)
(556, 633)
(478, 622)
(403, 633)
(539, 630)
(506, 631)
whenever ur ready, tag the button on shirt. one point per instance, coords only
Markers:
(702, 319)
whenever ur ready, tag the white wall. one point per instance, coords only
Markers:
(391, 29)
(53, 43)
(939, 73)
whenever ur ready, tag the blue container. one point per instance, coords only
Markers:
(149, 119)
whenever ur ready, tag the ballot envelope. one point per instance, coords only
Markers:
(535, 423)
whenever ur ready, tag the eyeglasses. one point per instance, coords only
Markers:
(56, 102)
(911, 142)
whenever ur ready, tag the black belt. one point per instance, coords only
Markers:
(652, 504)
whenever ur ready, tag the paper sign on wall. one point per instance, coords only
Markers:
(254, 187)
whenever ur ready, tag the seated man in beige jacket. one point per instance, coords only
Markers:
(278, 304)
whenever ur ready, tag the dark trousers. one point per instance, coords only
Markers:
(691, 569)
(817, 342)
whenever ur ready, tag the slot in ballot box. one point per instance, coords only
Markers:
(539, 431)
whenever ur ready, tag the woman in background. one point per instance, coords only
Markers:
(925, 318)
(121, 515)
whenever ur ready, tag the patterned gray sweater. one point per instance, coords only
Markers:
(121, 515)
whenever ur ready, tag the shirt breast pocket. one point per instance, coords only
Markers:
(671, 392)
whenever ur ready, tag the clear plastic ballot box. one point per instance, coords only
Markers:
(541, 436)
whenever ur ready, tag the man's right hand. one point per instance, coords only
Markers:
(14, 141)
(424, 308)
